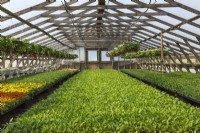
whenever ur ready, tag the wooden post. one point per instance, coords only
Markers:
(23, 63)
(112, 59)
(3, 60)
(79, 52)
(99, 57)
(86, 58)
(124, 64)
(168, 64)
(17, 61)
(137, 63)
(118, 63)
(28, 60)
(12, 59)
(161, 50)
(73, 64)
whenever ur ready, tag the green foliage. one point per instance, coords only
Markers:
(147, 53)
(186, 84)
(49, 78)
(106, 101)
(123, 48)
(6, 45)
(10, 45)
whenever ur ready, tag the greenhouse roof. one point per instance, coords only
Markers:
(100, 23)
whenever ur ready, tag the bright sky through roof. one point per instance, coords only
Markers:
(17, 5)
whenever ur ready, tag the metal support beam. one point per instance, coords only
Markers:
(4, 1)
(31, 25)
(107, 15)
(54, 8)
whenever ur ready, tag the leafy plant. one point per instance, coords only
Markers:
(147, 53)
(123, 48)
(14, 90)
(107, 101)
(6, 45)
(186, 84)
(10, 46)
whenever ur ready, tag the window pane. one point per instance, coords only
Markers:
(104, 57)
(92, 55)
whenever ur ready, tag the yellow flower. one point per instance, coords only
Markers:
(1, 85)
(2, 105)
(24, 87)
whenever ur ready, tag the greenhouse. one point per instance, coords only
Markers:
(98, 66)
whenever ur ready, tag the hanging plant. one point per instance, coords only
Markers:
(166, 52)
(3, 41)
(28, 49)
(10, 46)
(43, 50)
(147, 53)
(20, 47)
(49, 52)
(7, 45)
(123, 48)
(155, 52)
(73, 56)
(62, 55)
(38, 50)
(57, 54)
